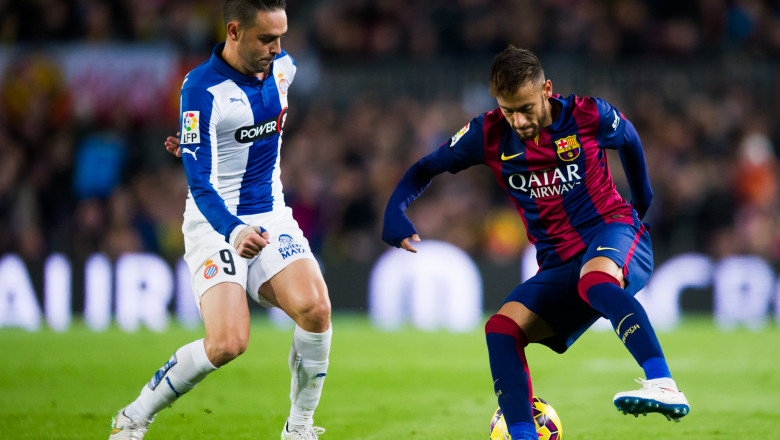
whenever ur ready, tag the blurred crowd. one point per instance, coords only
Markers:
(409, 28)
(80, 182)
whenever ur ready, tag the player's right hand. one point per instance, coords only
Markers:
(172, 144)
(251, 240)
(405, 243)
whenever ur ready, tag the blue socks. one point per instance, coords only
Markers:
(523, 431)
(506, 344)
(629, 319)
(656, 368)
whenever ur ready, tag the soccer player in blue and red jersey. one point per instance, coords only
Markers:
(548, 152)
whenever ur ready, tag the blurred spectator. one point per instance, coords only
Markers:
(381, 82)
(98, 165)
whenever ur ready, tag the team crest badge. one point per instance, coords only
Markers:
(568, 148)
(285, 240)
(211, 270)
(283, 85)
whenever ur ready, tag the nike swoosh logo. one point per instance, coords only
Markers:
(601, 248)
(505, 157)
(617, 330)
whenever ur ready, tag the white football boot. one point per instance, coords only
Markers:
(301, 432)
(655, 396)
(125, 428)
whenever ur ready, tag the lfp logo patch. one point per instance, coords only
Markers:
(459, 134)
(211, 270)
(190, 128)
(568, 148)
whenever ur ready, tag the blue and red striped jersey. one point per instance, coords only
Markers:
(559, 182)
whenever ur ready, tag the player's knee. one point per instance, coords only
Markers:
(315, 305)
(223, 350)
(225, 353)
(592, 278)
(503, 324)
(317, 314)
(493, 324)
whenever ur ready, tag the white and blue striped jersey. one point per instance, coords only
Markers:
(231, 135)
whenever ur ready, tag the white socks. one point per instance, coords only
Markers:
(308, 365)
(188, 366)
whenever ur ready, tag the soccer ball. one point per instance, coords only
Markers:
(548, 424)
(498, 429)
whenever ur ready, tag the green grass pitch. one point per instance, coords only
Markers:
(401, 385)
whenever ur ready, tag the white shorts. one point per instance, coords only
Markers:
(212, 260)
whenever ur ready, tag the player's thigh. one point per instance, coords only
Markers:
(225, 313)
(547, 306)
(534, 327)
(623, 251)
(603, 264)
(286, 274)
(298, 289)
(211, 260)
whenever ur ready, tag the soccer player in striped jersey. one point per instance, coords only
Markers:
(548, 152)
(240, 237)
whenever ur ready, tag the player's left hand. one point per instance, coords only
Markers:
(405, 243)
(397, 229)
(172, 144)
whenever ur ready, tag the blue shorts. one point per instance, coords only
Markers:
(552, 292)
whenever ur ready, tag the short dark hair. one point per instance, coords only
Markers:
(513, 68)
(244, 11)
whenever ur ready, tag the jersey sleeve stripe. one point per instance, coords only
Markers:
(199, 164)
(604, 197)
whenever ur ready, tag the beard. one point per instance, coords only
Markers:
(258, 66)
(528, 133)
(533, 129)
(254, 63)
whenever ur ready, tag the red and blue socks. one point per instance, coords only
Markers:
(629, 319)
(506, 344)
